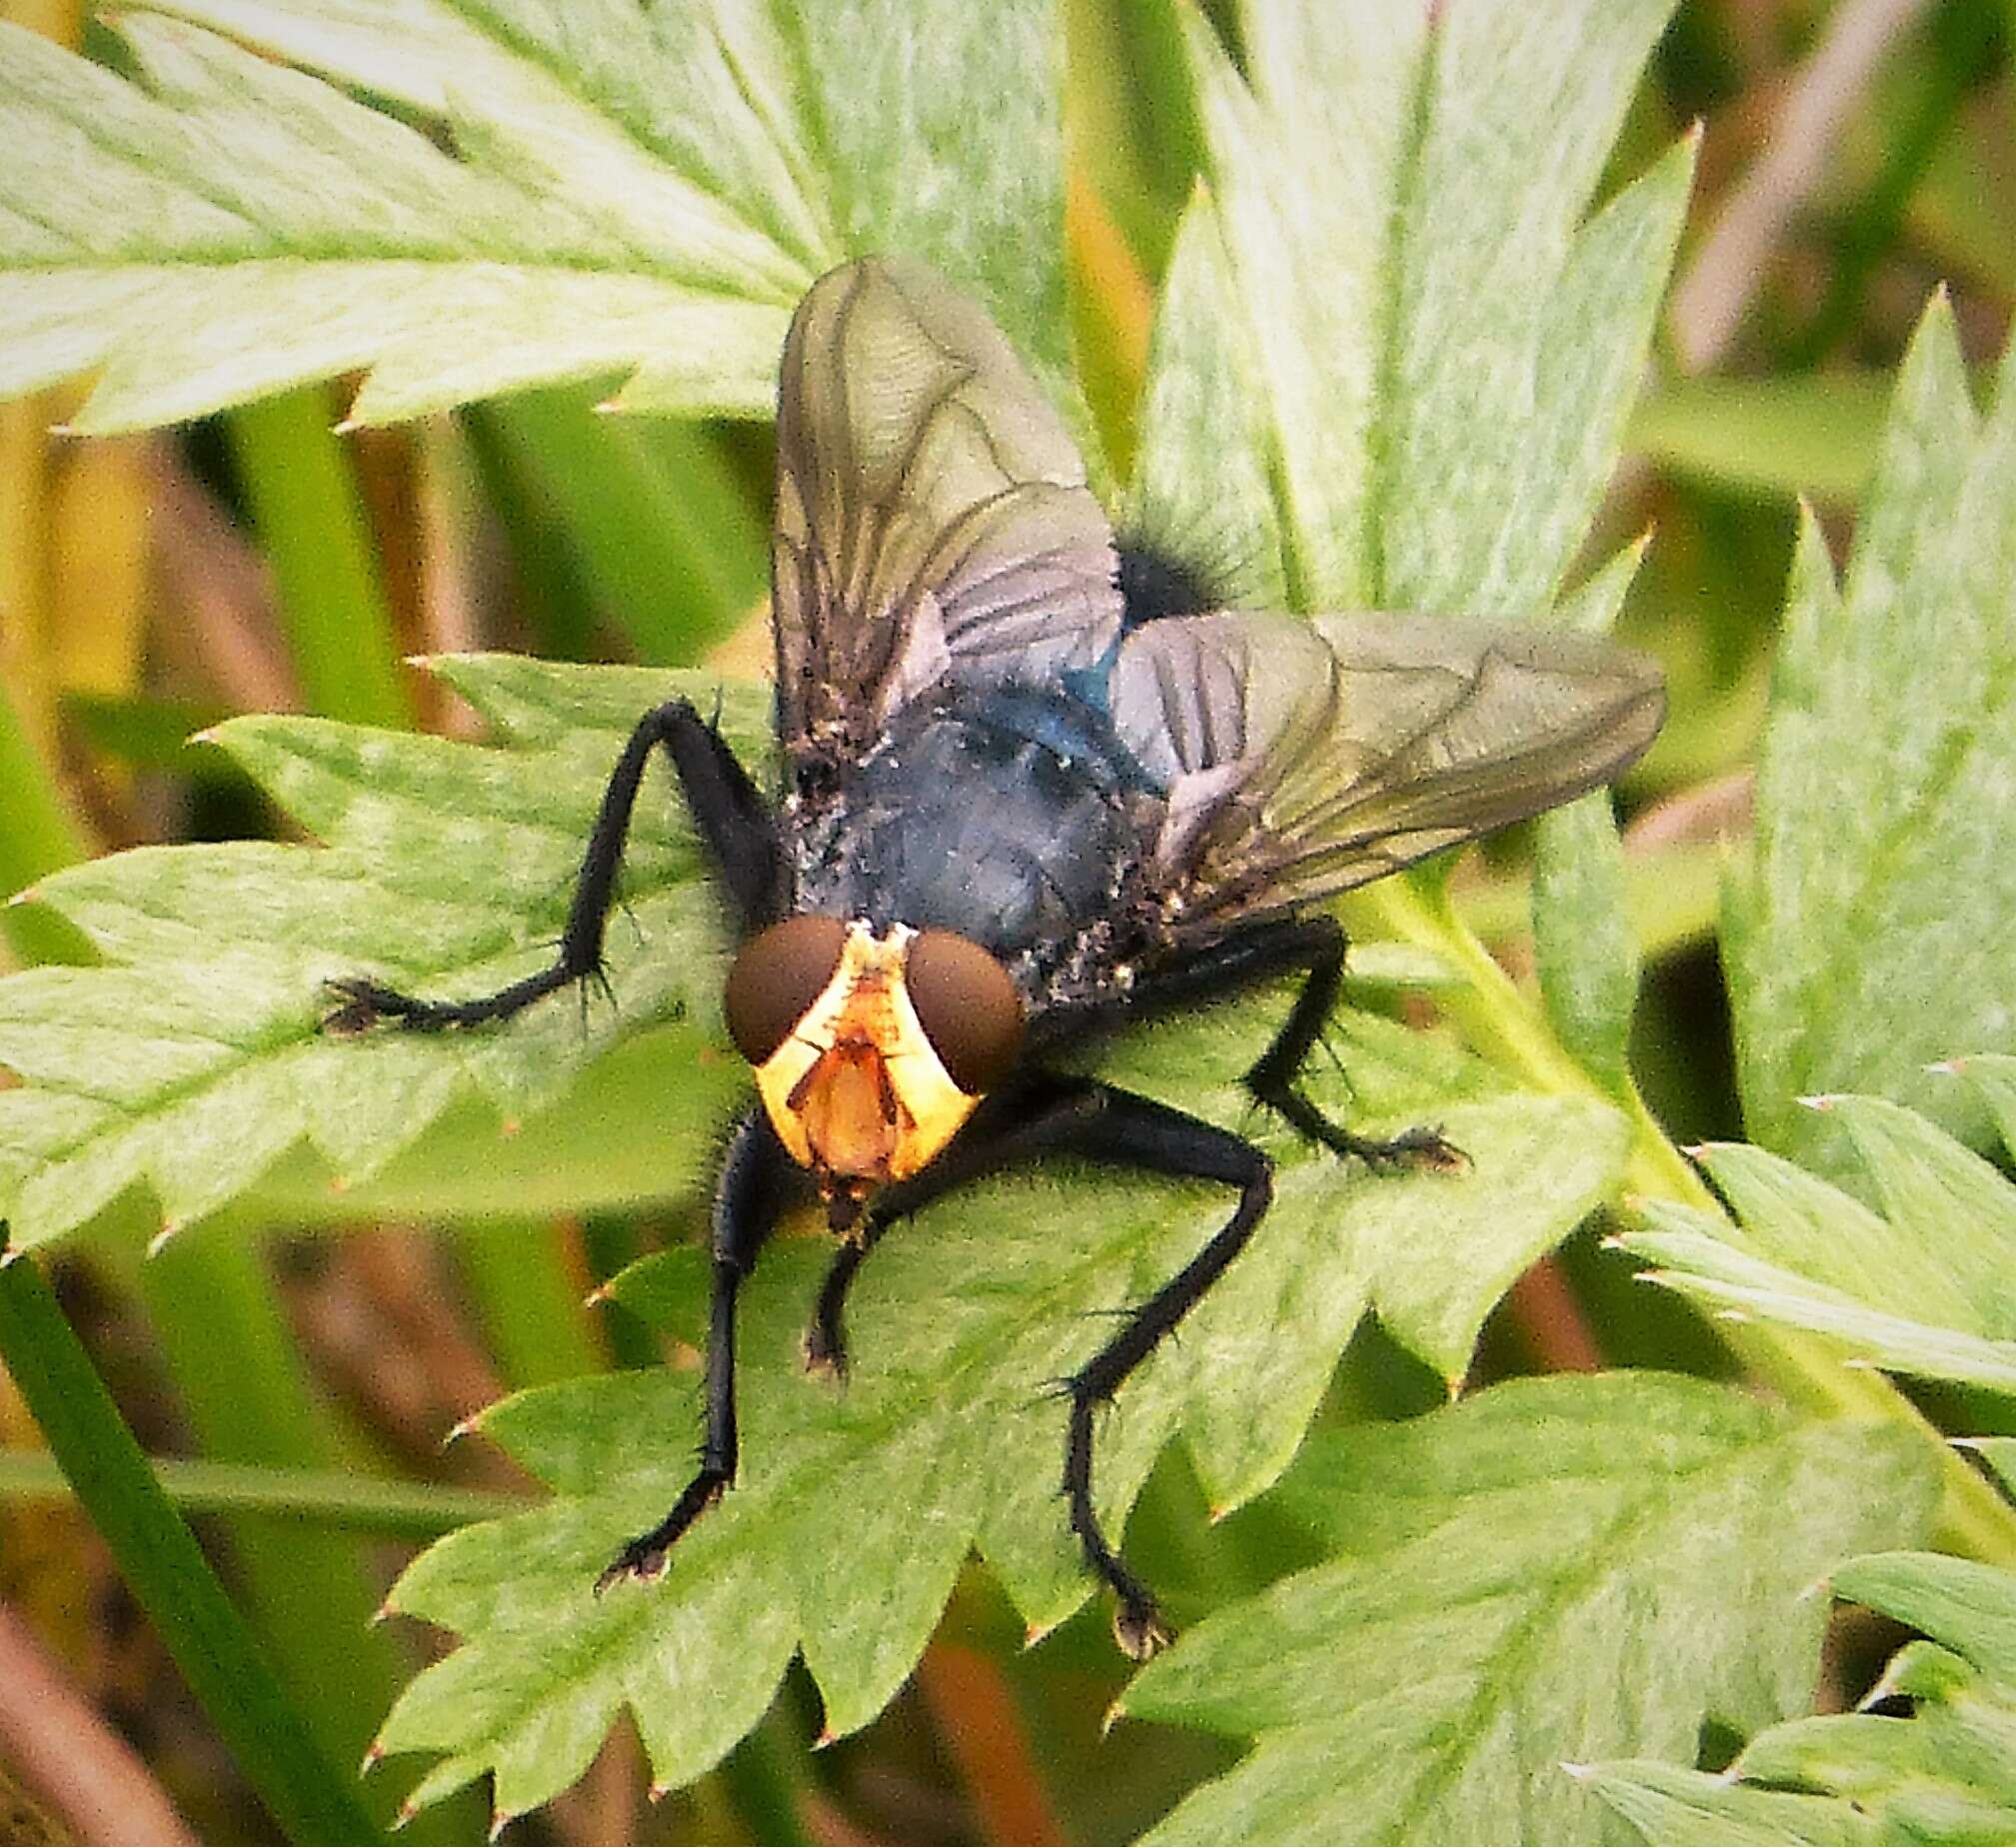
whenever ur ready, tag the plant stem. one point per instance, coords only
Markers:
(313, 1802)
(322, 1498)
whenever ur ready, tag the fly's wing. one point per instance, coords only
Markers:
(1302, 759)
(933, 519)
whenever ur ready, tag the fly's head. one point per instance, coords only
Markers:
(871, 1050)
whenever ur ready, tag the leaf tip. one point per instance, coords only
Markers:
(339, 1184)
(12, 1256)
(609, 407)
(407, 1810)
(373, 1753)
(826, 1736)
(1741, 1316)
(1947, 1068)
(1112, 1715)
(596, 1296)
(500, 1819)
(347, 426)
(383, 1613)
(1821, 1102)
(658, 1792)
(461, 1428)
(1034, 1632)
(26, 895)
(1580, 1772)
(160, 1240)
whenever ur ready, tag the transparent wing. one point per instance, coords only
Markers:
(1303, 757)
(933, 518)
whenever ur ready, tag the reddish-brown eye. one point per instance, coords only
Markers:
(776, 978)
(967, 1007)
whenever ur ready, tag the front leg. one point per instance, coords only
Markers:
(1019, 1120)
(755, 1184)
(736, 828)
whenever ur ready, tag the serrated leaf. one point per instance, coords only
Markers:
(642, 194)
(192, 1062)
(1500, 1573)
(1671, 1807)
(1435, 394)
(1922, 1286)
(1944, 1775)
(856, 1510)
(1864, 938)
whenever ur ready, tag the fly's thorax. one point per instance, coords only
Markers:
(871, 1048)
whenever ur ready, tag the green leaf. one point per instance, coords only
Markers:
(1435, 395)
(1945, 1775)
(854, 1511)
(192, 1062)
(1864, 938)
(1922, 1286)
(1556, 1570)
(1670, 1807)
(575, 191)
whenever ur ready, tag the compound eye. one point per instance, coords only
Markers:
(969, 1009)
(776, 978)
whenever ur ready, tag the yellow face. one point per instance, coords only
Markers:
(856, 1090)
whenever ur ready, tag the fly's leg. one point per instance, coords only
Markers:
(1069, 1114)
(754, 1185)
(1009, 1125)
(1312, 945)
(1318, 945)
(735, 825)
(826, 1335)
(1135, 1131)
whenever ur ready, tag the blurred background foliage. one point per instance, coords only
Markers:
(1856, 155)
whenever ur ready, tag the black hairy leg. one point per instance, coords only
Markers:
(1318, 945)
(736, 828)
(1043, 1113)
(1133, 1132)
(1015, 1122)
(1314, 948)
(755, 1182)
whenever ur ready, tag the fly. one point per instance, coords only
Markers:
(1033, 788)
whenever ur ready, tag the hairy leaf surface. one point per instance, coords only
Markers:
(1516, 1583)
(854, 1511)
(1945, 1776)
(1923, 1285)
(1396, 360)
(566, 192)
(1865, 939)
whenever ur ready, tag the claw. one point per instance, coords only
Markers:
(1140, 1631)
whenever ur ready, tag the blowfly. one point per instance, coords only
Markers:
(1032, 789)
